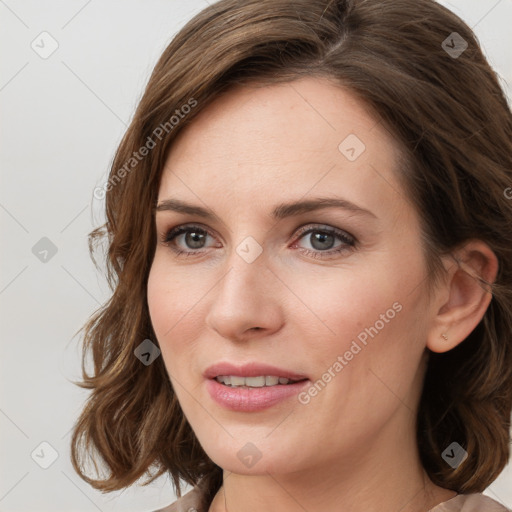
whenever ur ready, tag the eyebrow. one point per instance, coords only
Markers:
(281, 211)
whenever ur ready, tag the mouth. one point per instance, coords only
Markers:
(253, 393)
(261, 381)
(252, 386)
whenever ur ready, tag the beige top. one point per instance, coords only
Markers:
(461, 503)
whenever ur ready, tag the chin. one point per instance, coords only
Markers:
(247, 458)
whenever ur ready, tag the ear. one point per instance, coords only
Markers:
(463, 299)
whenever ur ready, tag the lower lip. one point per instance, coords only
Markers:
(253, 399)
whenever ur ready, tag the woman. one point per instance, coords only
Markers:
(310, 249)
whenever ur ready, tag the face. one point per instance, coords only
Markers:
(332, 294)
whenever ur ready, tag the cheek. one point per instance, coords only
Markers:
(159, 297)
(173, 304)
(170, 296)
(371, 313)
(367, 368)
(343, 302)
(163, 306)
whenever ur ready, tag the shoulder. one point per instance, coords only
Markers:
(189, 502)
(475, 502)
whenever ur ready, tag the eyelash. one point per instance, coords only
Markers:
(350, 242)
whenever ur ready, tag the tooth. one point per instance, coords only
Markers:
(255, 382)
(237, 381)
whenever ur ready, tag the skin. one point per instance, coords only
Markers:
(353, 446)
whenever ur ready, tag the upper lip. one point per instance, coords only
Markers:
(252, 369)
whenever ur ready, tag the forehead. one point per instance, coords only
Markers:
(288, 140)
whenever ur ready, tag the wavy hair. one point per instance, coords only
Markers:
(451, 118)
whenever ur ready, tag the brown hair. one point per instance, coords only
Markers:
(450, 116)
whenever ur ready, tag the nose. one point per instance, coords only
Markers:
(246, 301)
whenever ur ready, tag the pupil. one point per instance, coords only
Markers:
(322, 237)
(195, 239)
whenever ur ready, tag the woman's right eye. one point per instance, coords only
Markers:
(193, 237)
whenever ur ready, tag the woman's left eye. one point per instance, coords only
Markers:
(324, 237)
(321, 238)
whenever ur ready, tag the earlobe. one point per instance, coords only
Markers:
(469, 296)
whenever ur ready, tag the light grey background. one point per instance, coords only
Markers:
(62, 118)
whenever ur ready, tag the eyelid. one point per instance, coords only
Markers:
(314, 226)
(184, 228)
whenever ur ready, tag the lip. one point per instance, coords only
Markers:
(251, 399)
(253, 369)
